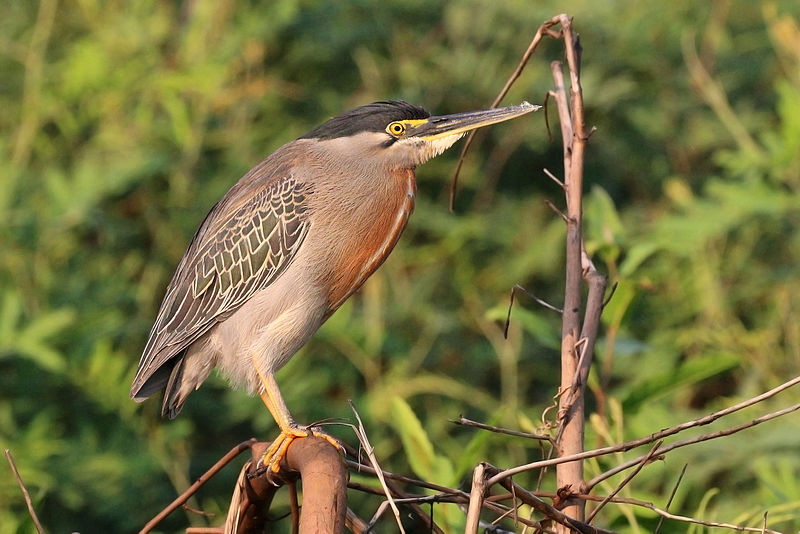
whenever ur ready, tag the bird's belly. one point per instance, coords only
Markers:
(268, 329)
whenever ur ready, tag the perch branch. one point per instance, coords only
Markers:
(318, 464)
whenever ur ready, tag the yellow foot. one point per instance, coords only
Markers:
(277, 449)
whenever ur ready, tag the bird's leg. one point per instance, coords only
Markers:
(290, 430)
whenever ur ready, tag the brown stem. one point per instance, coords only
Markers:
(25, 494)
(575, 347)
(182, 498)
(549, 511)
(476, 499)
(318, 464)
(544, 29)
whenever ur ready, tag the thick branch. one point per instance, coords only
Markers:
(318, 464)
(573, 367)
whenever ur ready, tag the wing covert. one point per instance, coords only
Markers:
(231, 258)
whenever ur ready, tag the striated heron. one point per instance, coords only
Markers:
(286, 246)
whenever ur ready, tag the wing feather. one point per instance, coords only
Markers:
(232, 257)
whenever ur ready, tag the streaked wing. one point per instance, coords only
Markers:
(230, 259)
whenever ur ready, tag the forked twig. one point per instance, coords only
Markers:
(645, 460)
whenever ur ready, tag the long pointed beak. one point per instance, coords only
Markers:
(438, 127)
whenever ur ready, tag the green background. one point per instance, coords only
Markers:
(123, 122)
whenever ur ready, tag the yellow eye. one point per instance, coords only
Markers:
(396, 128)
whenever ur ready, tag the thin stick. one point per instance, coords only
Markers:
(427, 518)
(649, 456)
(476, 499)
(359, 467)
(544, 29)
(553, 177)
(182, 498)
(25, 494)
(699, 439)
(602, 451)
(667, 515)
(295, 507)
(671, 496)
(355, 523)
(362, 437)
(499, 430)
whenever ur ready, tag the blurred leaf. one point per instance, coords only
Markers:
(418, 447)
(691, 371)
(31, 340)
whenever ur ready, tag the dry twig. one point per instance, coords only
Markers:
(476, 499)
(365, 444)
(25, 494)
(499, 430)
(191, 490)
(622, 447)
(544, 29)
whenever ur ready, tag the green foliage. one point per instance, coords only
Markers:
(124, 122)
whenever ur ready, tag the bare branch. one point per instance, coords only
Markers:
(476, 499)
(684, 519)
(671, 496)
(499, 430)
(699, 439)
(191, 490)
(355, 523)
(314, 460)
(542, 507)
(544, 29)
(710, 418)
(553, 177)
(25, 494)
(573, 371)
(645, 460)
(557, 211)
